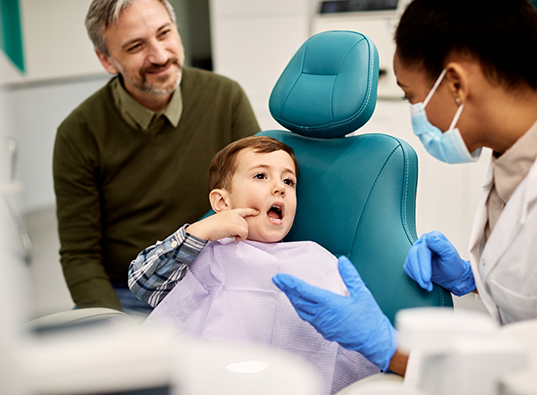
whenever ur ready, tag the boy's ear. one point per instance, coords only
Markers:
(218, 199)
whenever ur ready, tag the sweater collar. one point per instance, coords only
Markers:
(142, 118)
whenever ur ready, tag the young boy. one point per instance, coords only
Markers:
(227, 293)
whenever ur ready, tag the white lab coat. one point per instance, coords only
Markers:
(505, 270)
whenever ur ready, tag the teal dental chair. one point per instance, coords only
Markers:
(356, 195)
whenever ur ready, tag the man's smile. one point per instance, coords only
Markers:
(158, 70)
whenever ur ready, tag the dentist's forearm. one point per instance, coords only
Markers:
(398, 362)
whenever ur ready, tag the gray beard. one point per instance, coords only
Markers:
(150, 88)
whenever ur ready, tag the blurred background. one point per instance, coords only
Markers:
(48, 67)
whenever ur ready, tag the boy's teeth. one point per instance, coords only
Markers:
(275, 212)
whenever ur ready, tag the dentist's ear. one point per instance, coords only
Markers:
(219, 200)
(457, 77)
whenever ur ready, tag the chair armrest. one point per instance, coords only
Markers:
(75, 317)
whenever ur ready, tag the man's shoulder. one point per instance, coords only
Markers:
(90, 109)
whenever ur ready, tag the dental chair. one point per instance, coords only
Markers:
(357, 194)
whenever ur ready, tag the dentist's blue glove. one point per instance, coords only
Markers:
(355, 322)
(433, 259)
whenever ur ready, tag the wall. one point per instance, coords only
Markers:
(61, 70)
(252, 41)
(8, 72)
(13, 293)
(38, 109)
(56, 44)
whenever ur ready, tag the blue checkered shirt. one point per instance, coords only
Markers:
(158, 268)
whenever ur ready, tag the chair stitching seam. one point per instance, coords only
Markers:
(297, 78)
(371, 190)
(337, 73)
(403, 210)
(405, 195)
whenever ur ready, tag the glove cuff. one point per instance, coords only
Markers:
(466, 283)
(386, 340)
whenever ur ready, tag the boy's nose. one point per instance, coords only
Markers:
(279, 190)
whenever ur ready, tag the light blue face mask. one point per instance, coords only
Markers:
(449, 147)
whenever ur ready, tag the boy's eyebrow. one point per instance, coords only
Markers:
(287, 169)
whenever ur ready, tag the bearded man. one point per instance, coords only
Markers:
(130, 162)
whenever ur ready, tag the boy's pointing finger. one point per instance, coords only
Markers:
(247, 212)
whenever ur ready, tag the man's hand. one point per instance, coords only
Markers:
(229, 223)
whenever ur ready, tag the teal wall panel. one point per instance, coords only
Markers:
(11, 33)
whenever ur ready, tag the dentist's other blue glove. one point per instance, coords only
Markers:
(355, 322)
(433, 259)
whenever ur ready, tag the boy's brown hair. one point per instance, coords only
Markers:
(224, 163)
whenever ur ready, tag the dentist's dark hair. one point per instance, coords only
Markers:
(500, 34)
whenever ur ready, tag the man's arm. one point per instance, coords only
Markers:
(75, 167)
(158, 268)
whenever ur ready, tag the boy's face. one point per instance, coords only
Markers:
(266, 182)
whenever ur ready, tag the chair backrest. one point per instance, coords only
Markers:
(356, 195)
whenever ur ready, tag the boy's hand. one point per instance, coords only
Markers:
(229, 223)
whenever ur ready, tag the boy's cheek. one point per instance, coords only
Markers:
(250, 220)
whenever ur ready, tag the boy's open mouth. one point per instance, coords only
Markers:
(275, 213)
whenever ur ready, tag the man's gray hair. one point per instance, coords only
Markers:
(103, 13)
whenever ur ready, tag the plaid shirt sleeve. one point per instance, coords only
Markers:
(158, 268)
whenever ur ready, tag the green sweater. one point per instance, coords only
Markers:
(119, 190)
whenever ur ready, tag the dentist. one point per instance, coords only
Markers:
(469, 71)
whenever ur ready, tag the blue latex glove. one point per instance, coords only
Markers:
(433, 259)
(355, 322)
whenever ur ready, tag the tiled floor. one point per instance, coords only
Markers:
(50, 293)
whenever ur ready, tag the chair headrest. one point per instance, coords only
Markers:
(329, 88)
